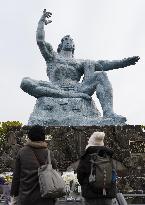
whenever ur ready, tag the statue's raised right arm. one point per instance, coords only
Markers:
(45, 48)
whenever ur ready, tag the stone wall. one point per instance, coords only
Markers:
(68, 144)
(128, 143)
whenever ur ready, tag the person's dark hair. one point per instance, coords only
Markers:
(36, 133)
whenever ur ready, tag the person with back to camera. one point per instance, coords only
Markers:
(96, 195)
(25, 188)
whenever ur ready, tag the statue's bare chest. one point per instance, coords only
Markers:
(63, 70)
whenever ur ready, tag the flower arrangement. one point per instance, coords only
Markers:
(72, 184)
(6, 178)
(5, 187)
(68, 177)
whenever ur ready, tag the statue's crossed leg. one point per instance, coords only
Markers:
(99, 82)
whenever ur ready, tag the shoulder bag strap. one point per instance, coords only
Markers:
(49, 158)
(35, 156)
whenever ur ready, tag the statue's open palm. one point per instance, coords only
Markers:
(46, 15)
(132, 60)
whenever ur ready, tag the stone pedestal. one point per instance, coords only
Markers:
(50, 111)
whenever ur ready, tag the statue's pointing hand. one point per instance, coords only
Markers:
(132, 60)
(46, 15)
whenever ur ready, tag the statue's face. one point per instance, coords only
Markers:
(67, 44)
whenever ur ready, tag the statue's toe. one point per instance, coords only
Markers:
(115, 117)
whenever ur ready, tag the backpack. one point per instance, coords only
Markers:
(102, 172)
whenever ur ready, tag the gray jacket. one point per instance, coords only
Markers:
(25, 182)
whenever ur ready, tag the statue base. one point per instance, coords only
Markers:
(50, 111)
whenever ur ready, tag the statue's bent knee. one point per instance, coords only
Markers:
(27, 84)
(101, 75)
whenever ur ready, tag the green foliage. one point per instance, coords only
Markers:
(5, 127)
(143, 126)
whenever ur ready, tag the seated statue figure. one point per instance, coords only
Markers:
(64, 100)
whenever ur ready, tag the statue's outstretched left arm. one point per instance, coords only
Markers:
(110, 65)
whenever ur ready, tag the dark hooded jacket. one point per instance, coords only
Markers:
(83, 173)
(25, 182)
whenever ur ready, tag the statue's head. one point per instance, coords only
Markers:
(66, 44)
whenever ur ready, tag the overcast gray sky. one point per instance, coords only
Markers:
(101, 29)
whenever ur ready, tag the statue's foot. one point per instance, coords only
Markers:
(115, 117)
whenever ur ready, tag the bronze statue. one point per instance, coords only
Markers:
(65, 72)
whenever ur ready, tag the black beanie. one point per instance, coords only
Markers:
(36, 133)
